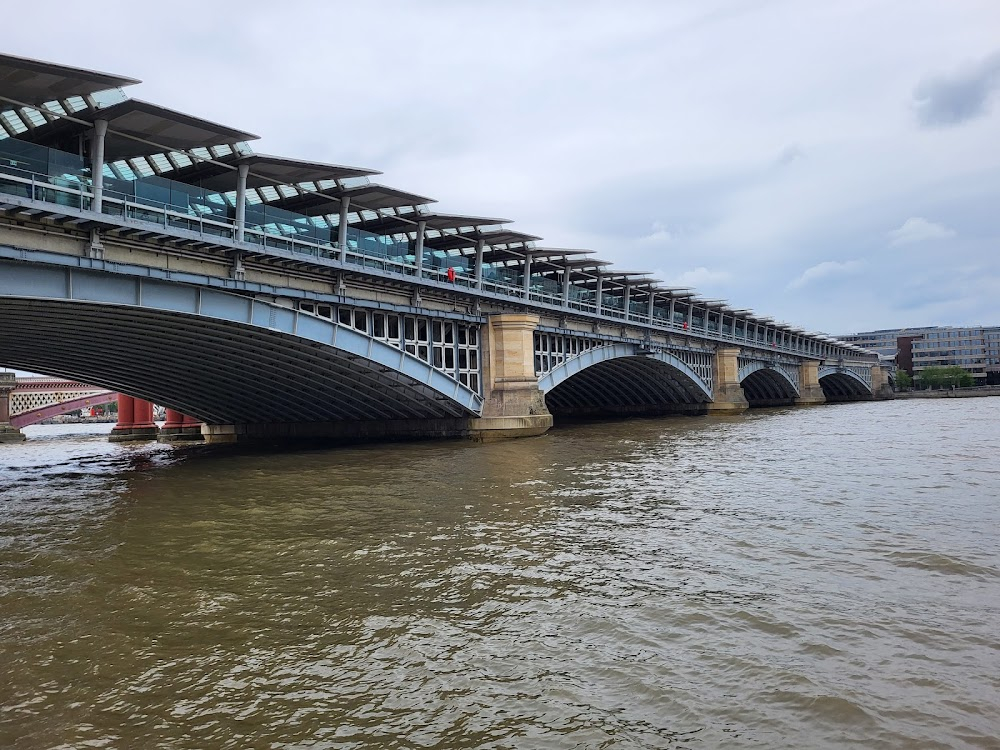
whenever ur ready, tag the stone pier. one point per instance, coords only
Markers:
(726, 389)
(810, 391)
(8, 433)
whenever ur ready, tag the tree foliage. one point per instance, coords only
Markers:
(903, 379)
(945, 377)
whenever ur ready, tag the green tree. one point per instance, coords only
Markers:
(945, 377)
(903, 379)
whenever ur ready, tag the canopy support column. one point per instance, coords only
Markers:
(345, 205)
(527, 275)
(241, 201)
(599, 297)
(97, 164)
(480, 245)
(418, 249)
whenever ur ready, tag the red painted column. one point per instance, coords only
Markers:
(126, 411)
(143, 414)
(191, 421)
(174, 420)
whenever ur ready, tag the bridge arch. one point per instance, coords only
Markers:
(767, 386)
(220, 357)
(843, 384)
(33, 416)
(617, 379)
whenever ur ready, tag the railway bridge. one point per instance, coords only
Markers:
(154, 254)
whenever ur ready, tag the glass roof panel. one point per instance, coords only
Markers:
(161, 162)
(75, 104)
(34, 116)
(13, 122)
(55, 106)
(107, 98)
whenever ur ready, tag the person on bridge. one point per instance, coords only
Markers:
(451, 274)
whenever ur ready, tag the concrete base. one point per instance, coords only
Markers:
(811, 397)
(132, 434)
(728, 400)
(10, 434)
(180, 434)
(480, 429)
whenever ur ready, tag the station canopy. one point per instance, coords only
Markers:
(138, 128)
(33, 82)
(56, 105)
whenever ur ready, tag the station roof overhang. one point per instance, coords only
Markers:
(221, 173)
(398, 224)
(33, 82)
(139, 128)
(371, 197)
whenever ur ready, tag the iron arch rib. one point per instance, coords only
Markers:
(216, 356)
(614, 380)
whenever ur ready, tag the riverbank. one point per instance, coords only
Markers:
(975, 392)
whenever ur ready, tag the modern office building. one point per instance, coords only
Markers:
(975, 349)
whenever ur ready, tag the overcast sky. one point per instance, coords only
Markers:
(832, 164)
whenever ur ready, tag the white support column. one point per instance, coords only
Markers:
(241, 201)
(690, 320)
(480, 245)
(704, 320)
(97, 164)
(527, 274)
(627, 299)
(345, 208)
(418, 249)
(565, 286)
(600, 293)
(673, 307)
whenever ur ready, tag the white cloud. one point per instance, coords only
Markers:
(918, 229)
(825, 269)
(659, 236)
(697, 277)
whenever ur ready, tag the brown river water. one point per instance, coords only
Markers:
(824, 577)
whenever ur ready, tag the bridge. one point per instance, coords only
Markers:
(29, 400)
(156, 255)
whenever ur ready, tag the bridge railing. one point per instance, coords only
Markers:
(74, 191)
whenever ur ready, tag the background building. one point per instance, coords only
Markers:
(975, 349)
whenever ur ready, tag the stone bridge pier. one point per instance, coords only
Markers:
(8, 433)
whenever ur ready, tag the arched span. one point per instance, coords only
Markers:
(64, 407)
(219, 357)
(614, 379)
(767, 386)
(843, 384)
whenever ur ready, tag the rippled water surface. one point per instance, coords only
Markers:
(813, 578)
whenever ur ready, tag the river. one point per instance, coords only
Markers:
(821, 577)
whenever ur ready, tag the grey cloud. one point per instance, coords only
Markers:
(946, 100)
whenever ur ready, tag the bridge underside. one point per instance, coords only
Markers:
(625, 386)
(840, 387)
(768, 388)
(218, 371)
